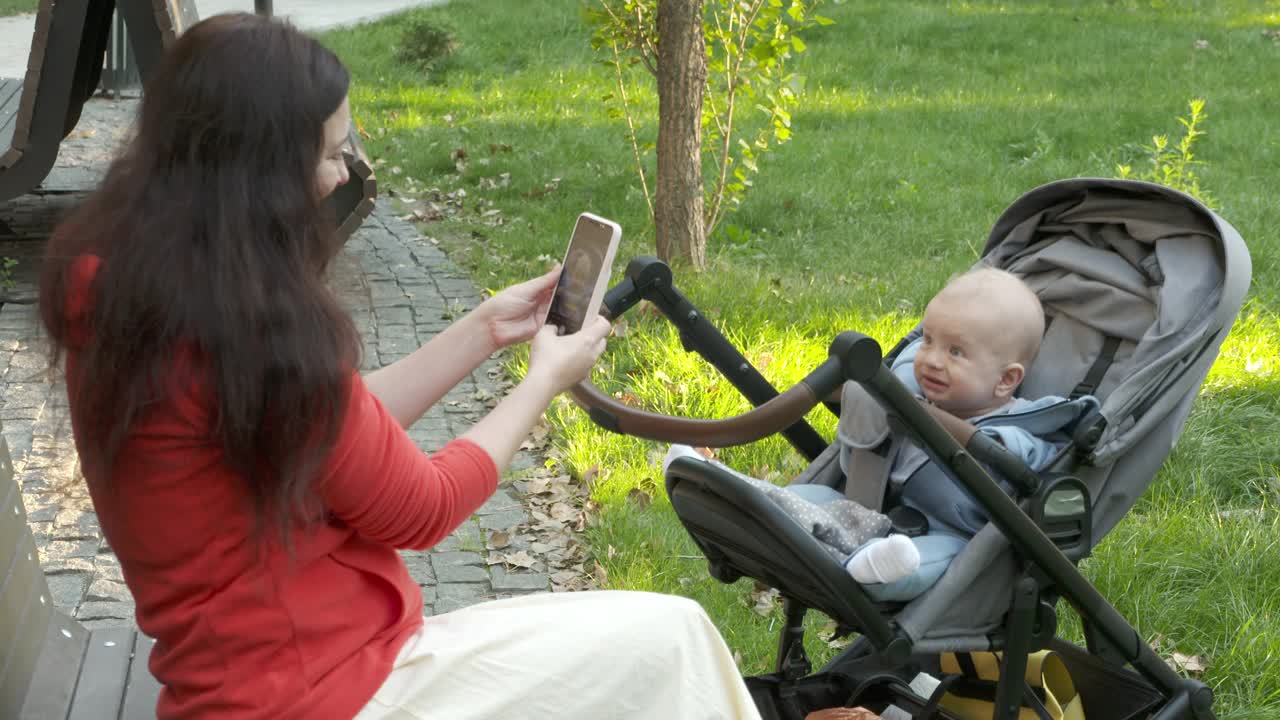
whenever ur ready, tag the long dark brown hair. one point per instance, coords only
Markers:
(214, 245)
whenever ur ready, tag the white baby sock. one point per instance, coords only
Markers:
(686, 451)
(888, 560)
(679, 451)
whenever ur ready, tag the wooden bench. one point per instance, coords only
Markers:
(67, 49)
(63, 69)
(51, 667)
(62, 72)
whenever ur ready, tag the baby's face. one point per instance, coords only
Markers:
(961, 365)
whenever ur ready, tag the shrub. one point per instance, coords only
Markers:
(425, 44)
(1173, 165)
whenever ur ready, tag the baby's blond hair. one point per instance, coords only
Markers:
(1021, 318)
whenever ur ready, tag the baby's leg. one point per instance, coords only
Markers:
(932, 553)
(677, 451)
(816, 494)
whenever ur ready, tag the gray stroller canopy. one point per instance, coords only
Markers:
(1142, 271)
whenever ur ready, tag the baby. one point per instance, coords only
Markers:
(979, 336)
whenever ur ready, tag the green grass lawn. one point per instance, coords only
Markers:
(921, 122)
(17, 7)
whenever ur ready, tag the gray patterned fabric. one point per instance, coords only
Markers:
(842, 526)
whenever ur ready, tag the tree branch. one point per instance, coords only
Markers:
(631, 128)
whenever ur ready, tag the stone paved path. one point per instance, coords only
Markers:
(399, 288)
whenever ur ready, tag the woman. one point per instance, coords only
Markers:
(255, 488)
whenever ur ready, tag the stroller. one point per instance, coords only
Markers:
(1140, 286)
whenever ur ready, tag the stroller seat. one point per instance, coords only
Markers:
(1140, 286)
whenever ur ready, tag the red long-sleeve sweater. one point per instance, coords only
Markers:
(244, 628)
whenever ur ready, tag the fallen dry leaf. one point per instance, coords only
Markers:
(563, 577)
(561, 512)
(538, 486)
(1187, 663)
(765, 601)
(498, 539)
(520, 559)
(639, 498)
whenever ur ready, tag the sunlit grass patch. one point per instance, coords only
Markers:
(1250, 355)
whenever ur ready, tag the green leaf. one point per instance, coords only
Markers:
(764, 52)
(821, 20)
(798, 44)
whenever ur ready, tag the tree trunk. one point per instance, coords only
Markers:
(682, 75)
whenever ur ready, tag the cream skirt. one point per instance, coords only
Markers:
(566, 655)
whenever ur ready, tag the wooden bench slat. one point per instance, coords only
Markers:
(25, 597)
(35, 65)
(58, 670)
(9, 89)
(10, 100)
(100, 692)
(142, 690)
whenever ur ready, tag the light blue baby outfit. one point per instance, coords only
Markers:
(1033, 430)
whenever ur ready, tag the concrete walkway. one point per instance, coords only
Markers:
(399, 288)
(310, 15)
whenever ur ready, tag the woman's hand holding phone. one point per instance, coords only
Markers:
(515, 314)
(556, 362)
(561, 361)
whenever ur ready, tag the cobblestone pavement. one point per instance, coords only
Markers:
(399, 288)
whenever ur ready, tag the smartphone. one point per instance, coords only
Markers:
(584, 276)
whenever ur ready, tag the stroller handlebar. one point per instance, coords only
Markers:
(769, 418)
(761, 422)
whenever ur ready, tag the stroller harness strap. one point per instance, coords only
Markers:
(1099, 368)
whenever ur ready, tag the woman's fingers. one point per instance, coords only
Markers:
(597, 328)
(545, 283)
(535, 289)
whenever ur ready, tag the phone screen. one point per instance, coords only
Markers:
(583, 264)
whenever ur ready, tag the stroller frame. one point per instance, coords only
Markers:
(884, 653)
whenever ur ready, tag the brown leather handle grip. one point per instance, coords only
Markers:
(773, 416)
(961, 430)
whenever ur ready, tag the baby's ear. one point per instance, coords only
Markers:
(1010, 379)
